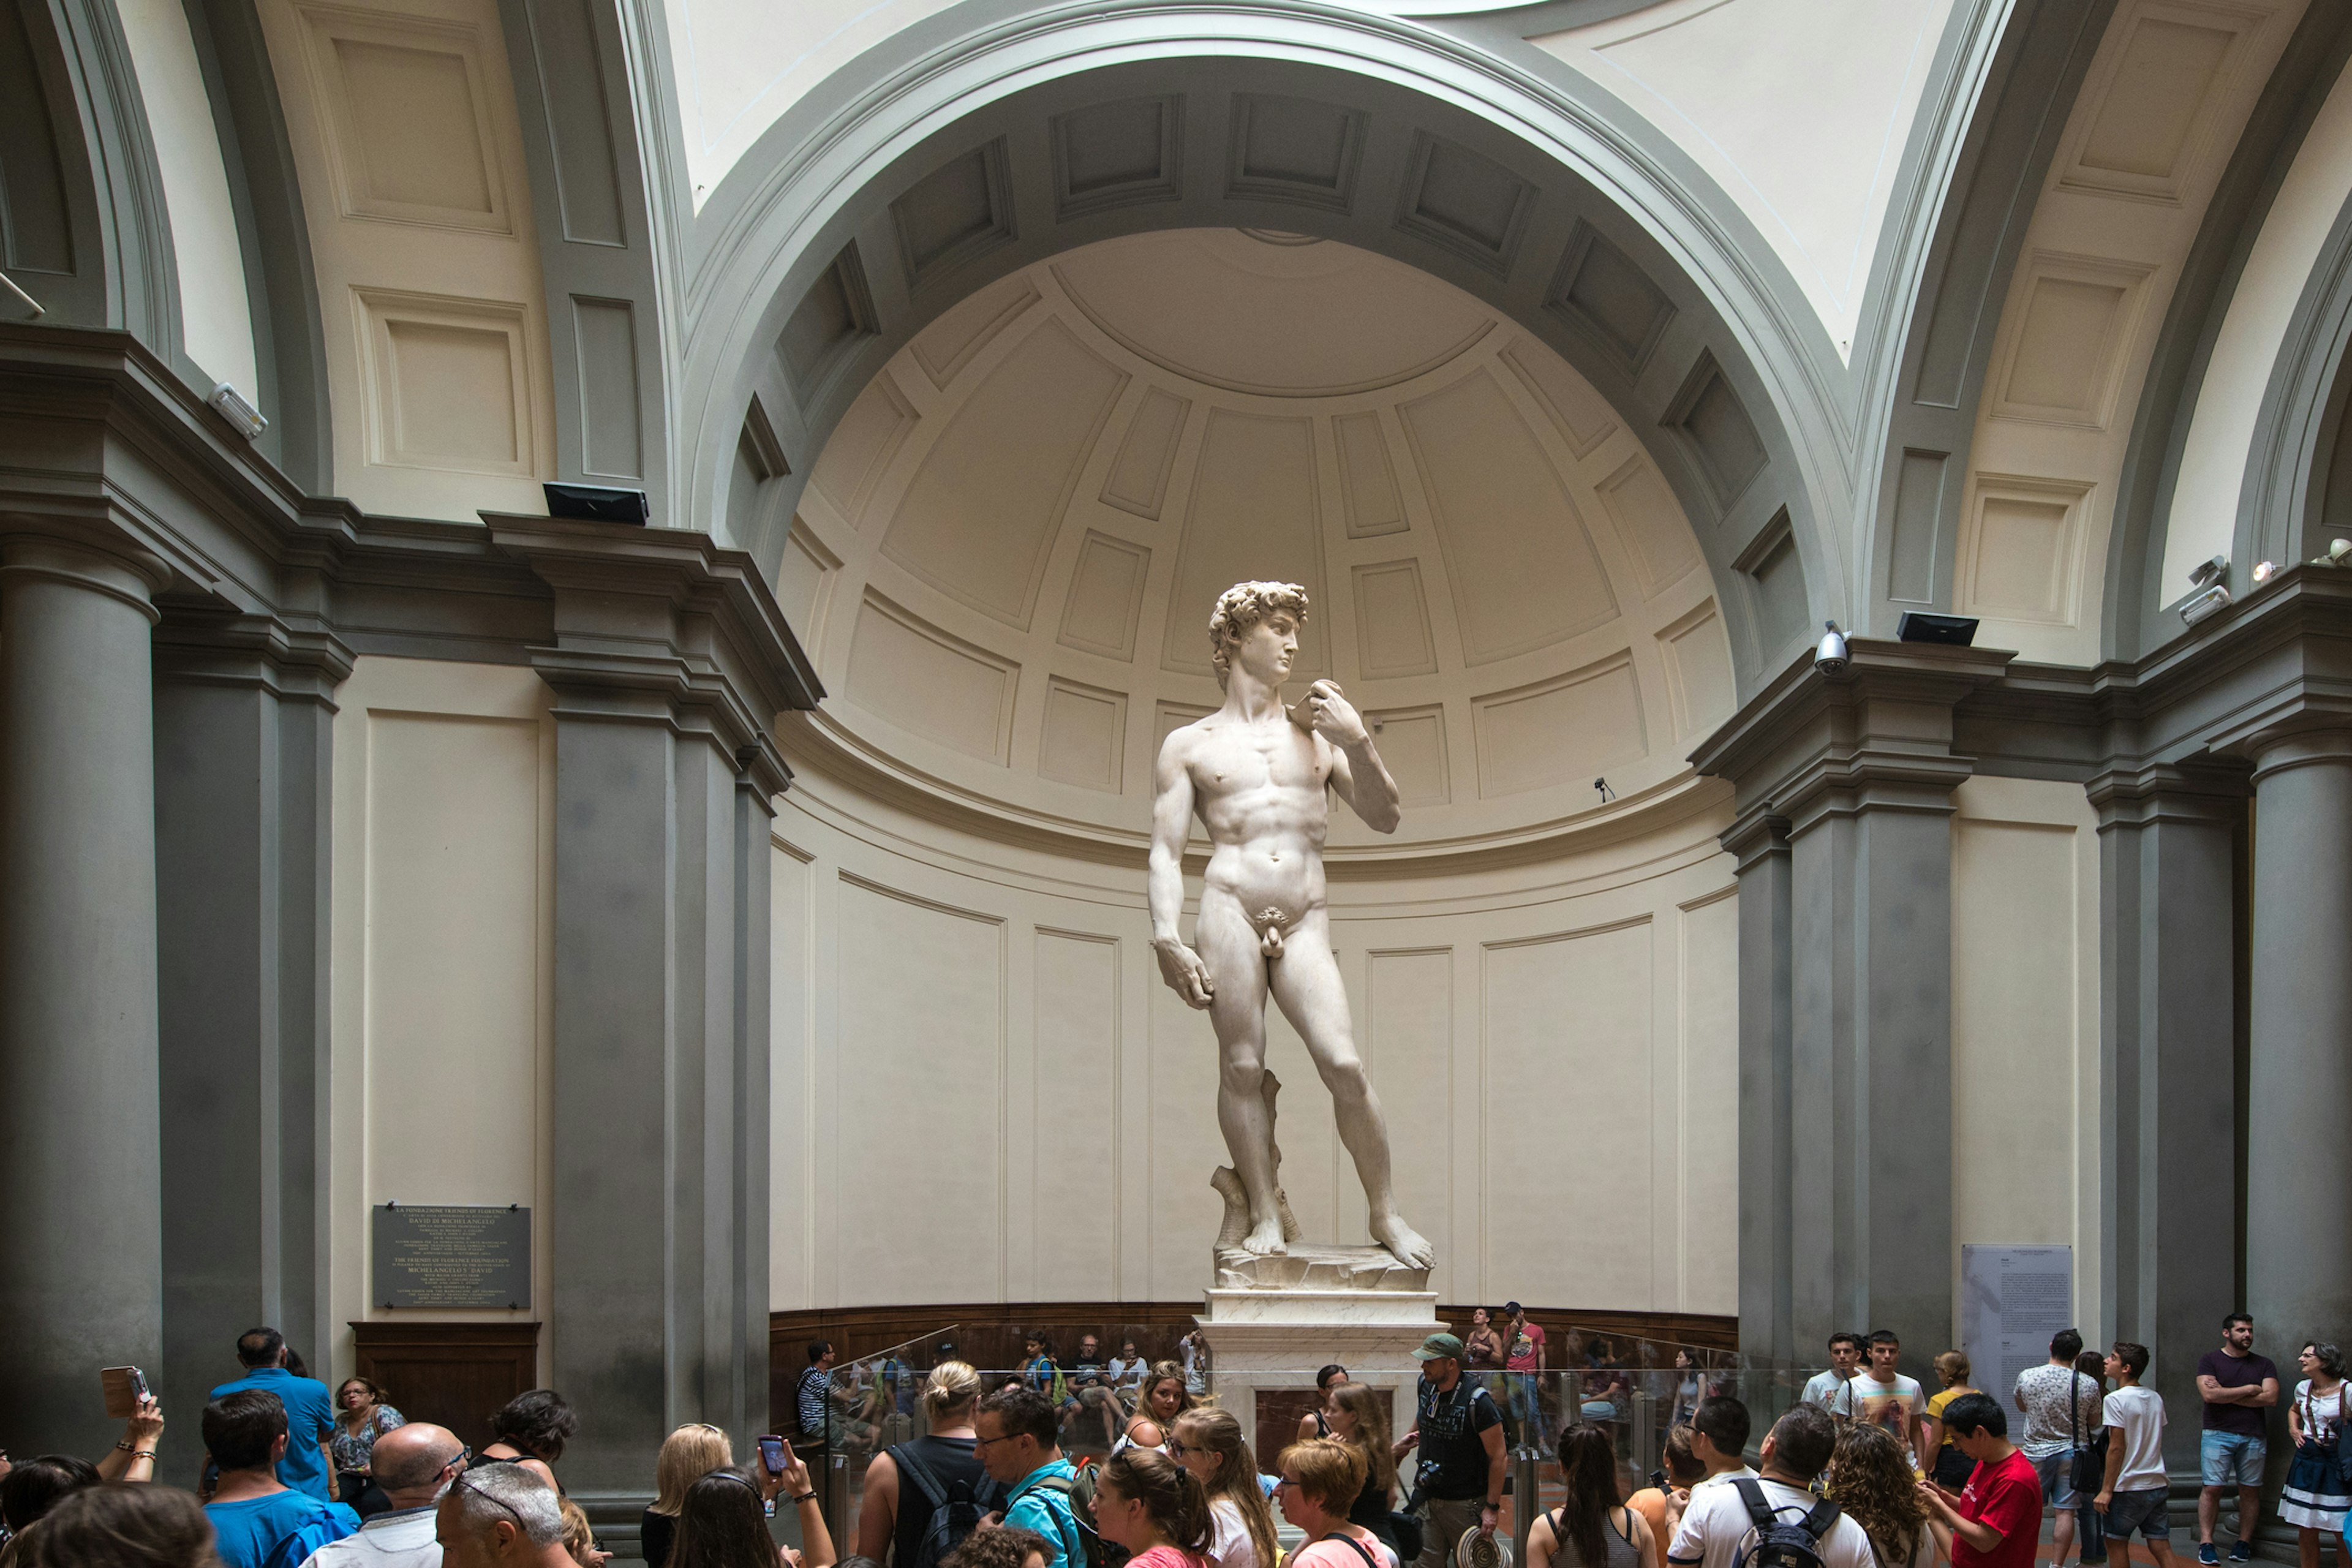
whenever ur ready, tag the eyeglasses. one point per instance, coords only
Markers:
(1177, 1450)
(979, 1443)
(1288, 1481)
(459, 1485)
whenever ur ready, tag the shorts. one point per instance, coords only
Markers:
(2057, 1473)
(2143, 1511)
(2230, 1458)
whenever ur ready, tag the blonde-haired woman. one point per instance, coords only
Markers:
(1166, 1396)
(1208, 1444)
(906, 1482)
(687, 1455)
(1360, 1415)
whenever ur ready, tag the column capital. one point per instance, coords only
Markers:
(291, 661)
(1876, 736)
(663, 625)
(2297, 746)
(115, 567)
(2138, 794)
(1756, 835)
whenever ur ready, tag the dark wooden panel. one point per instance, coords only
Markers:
(989, 1334)
(452, 1375)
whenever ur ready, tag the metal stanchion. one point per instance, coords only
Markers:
(1524, 1506)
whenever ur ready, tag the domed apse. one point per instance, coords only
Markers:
(1006, 559)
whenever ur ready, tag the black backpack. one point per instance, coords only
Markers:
(1779, 1543)
(956, 1509)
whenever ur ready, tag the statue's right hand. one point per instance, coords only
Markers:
(1185, 973)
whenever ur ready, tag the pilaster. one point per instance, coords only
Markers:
(668, 663)
(244, 713)
(2171, 840)
(1846, 780)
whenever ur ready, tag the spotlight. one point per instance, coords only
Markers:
(1952, 631)
(231, 407)
(1606, 792)
(2337, 548)
(1830, 657)
(2211, 578)
(595, 504)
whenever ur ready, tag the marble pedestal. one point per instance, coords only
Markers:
(1272, 1323)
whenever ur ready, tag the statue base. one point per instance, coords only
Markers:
(1273, 1322)
(1308, 1268)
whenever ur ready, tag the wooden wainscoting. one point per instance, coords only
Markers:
(453, 1375)
(989, 1334)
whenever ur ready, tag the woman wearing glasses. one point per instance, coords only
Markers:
(1322, 1479)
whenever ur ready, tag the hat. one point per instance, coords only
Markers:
(1477, 1549)
(1512, 1308)
(1439, 1347)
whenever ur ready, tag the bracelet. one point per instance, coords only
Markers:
(124, 1448)
(142, 1453)
(805, 1497)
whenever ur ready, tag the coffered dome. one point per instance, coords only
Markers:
(1004, 561)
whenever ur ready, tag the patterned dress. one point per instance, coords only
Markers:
(2315, 1495)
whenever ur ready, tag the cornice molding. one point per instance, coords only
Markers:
(1877, 735)
(664, 624)
(819, 742)
(2180, 725)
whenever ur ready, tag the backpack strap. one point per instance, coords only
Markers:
(1821, 1520)
(1071, 1555)
(926, 1480)
(1760, 1507)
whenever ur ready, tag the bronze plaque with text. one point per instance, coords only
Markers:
(429, 1255)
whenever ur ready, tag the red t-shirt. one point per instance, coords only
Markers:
(2008, 1497)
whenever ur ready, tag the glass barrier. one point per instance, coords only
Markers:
(877, 1401)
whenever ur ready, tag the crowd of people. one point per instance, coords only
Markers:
(1866, 1470)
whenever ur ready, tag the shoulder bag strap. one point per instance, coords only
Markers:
(1358, 1547)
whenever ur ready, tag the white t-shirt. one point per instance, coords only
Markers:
(1727, 1476)
(2137, 1415)
(1824, 1389)
(2322, 1417)
(1716, 1527)
(1894, 1404)
(1229, 1536)
(2059, 1403)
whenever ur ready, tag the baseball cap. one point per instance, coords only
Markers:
(1511, 1307)
(1438, 1347)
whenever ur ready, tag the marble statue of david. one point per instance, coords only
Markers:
(1256, 773)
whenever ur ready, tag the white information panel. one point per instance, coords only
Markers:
(2012, 1300)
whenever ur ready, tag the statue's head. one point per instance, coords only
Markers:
(1241, 609)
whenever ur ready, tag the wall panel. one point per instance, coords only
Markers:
(443, 962)
(1075, 1128)
(1568, 1045)
(920, 1114)
(2025, 1031)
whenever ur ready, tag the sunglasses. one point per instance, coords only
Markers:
(465, 1484)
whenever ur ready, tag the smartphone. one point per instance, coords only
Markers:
(774, 1453)
(124, 1387)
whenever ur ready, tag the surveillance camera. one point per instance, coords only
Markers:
(1830, 657)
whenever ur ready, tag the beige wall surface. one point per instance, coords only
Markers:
(2025, 1026)
(981, 1088)
(402, 117)
(443, 975)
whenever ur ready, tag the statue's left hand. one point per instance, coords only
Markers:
(1333, 717)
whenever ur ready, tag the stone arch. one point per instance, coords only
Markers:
(1495, 182)
(2292, 484)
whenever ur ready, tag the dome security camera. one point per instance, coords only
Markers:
(1830, 657)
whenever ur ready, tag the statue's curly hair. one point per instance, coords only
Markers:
(1241, 607)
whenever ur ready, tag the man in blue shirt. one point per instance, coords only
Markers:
(257, 1521)
(1018, 1444)
(309, 1412)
